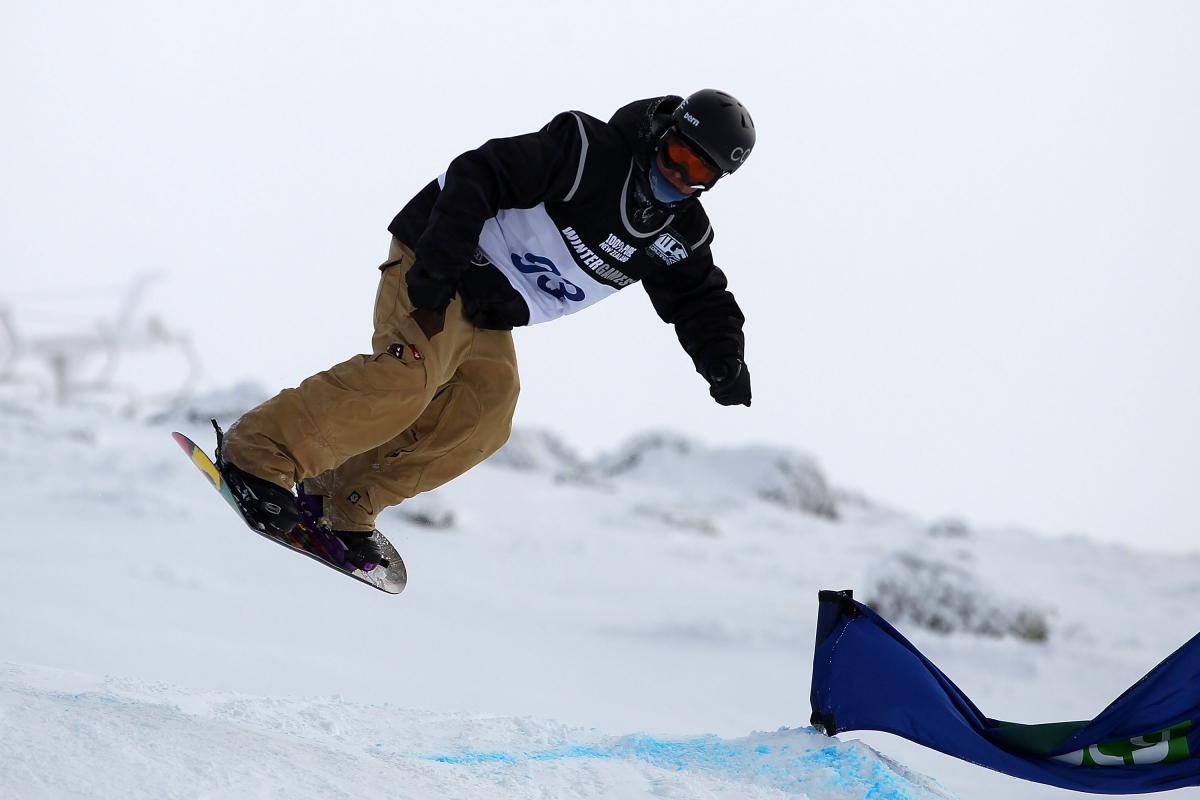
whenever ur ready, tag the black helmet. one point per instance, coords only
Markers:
(718, 126)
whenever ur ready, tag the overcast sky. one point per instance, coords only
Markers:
(967, 243)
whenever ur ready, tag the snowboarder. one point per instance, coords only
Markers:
(519, 231)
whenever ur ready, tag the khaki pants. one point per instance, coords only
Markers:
(377, 429)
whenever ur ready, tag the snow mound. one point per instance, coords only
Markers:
(783, 477)
(70, 735)
(536, 450)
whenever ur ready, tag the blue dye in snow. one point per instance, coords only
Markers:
(472, 757)
(800, 772)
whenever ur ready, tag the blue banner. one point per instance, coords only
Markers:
(866, 676)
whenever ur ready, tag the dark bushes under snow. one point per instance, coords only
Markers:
(949, 599)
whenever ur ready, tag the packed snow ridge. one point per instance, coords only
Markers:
(155, 740)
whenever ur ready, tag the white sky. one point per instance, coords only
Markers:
(967, 242)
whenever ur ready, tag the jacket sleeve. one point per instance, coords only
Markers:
(693, 296)
(514, 172)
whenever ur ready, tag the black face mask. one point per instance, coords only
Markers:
(642, 207)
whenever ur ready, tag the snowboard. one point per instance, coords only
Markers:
(307, 539)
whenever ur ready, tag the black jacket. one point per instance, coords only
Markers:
(531, 227)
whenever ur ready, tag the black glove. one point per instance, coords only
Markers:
(429, 294)
(728, 381)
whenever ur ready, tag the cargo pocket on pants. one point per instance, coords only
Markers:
(391, 298)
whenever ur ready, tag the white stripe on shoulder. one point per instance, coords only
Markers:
(702, 239)
(583, 148)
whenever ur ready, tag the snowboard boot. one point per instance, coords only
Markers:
(362, 549)
(268, 506)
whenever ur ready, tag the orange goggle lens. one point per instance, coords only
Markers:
(696, 171)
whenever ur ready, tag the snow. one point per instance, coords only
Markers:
(156, 740)
(637, 625)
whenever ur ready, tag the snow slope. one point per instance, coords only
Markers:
(618, 628)
(66, 735)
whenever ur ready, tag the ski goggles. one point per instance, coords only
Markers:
(677, 154)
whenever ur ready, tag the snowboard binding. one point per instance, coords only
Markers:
(270, 508)
(361, 549)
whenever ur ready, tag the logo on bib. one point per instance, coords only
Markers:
(668, 249)
(549, 279)
(617, 249)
